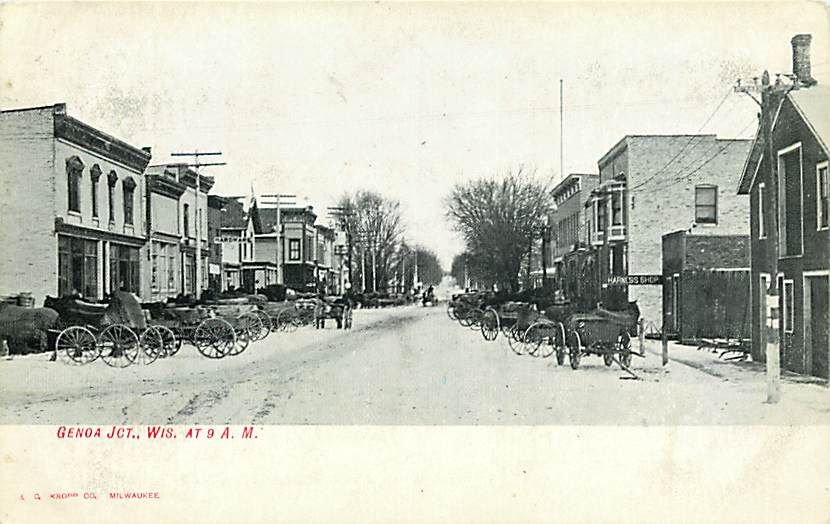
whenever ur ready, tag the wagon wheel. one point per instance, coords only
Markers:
(259, 329)
(287, 321)
(79, 345)
(119, 346)
(465, 317)
(625, 349)
(490, 325)
(170, 343)
(533, 338)
(451, 311)
(266, 323)
(475, 316)
(561, 344)
(248, 326)
(514, 340)
(151, 344)
(575, 349)
(214, 338)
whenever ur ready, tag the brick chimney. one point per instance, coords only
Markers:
(801, 60)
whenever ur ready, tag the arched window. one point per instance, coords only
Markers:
(74, 170)
(94, 176)
(112, 179)
(129, 200)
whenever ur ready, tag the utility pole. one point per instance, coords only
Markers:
(545, 256)
(278, 201)
(197, 285)
(374, 249)
(771, 97)
(561, 129)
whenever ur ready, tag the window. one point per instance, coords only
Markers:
(789, 305)
(94, 176)
(74, 170)
(187, 220)
(129, 200)
(124, 268)
(790, 217)
(762, 227)
(77, 267)
(617, 208)
(599, 215)
(294, 249)
(706, 204)
(822, 197)
(112, 178)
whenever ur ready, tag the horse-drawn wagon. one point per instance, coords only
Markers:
(116, 332)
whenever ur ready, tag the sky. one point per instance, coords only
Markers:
(408, 100)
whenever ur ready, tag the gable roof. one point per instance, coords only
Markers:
(753, 162)
(813, 104)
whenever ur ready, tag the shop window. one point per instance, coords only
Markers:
(77, 267)
(124, 268)
(706, 204)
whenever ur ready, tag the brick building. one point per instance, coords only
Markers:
(650, 185)
(171, 231)
(786, 177)
(705, 286)
(566, 222)
(73, 198)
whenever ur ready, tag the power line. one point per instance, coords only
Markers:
(685, 146)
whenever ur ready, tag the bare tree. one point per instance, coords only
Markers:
(498, 219)
(375, 223)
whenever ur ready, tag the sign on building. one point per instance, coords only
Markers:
(636, 280)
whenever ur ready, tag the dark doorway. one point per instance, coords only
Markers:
(819, 319)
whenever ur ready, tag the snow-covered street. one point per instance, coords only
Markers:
(408, 365)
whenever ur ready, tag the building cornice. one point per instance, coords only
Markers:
(86, 136)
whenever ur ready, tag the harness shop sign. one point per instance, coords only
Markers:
(636, 280)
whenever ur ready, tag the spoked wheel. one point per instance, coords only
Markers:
(79, 345)
(514, 340)
(152, 346)
(476, 316)
(538, 339)
(248, 326)
(464, 317)
(169, 342)
(253, 323)
(214, 338)
(625, 350)
(490, 325)
(119, 346)
(561, 344)
(575, 349)
(451, 312)
(287, 321)
(266, 323)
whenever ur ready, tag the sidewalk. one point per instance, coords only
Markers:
(708, 361)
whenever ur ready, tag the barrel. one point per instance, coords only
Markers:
(25, 299)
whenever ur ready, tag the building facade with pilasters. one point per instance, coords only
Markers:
(73, 200)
